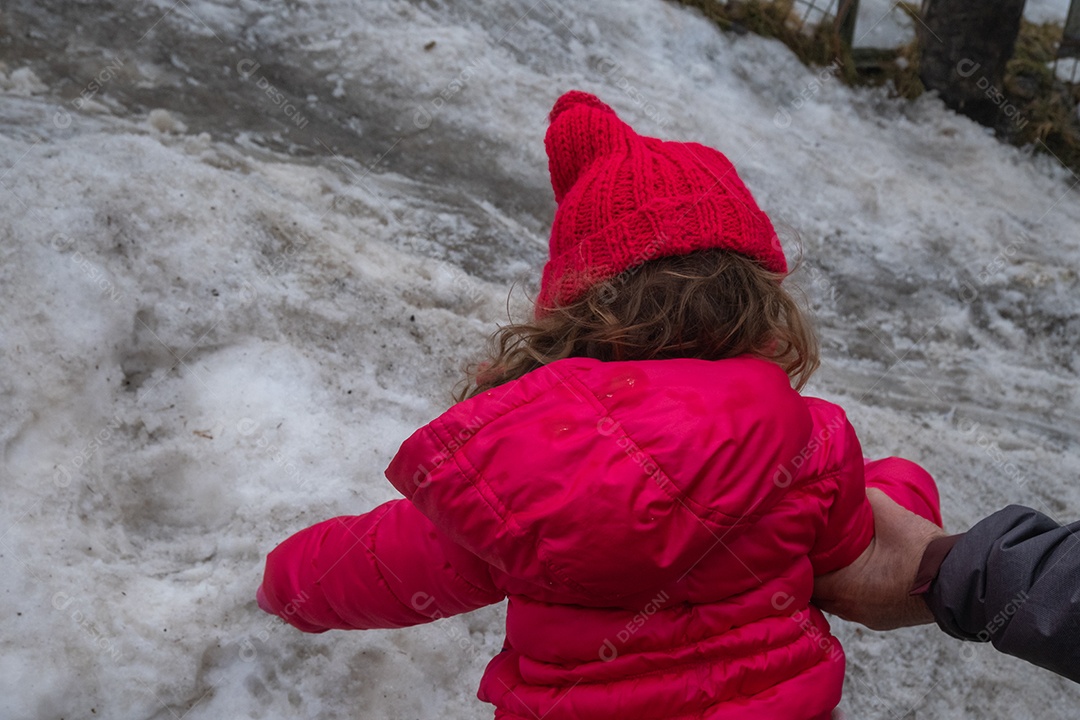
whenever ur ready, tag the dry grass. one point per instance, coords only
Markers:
(1047, 115)
(818, 45)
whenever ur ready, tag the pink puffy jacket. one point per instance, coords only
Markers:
(656, 526)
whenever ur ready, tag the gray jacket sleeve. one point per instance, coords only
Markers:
(1014, 579)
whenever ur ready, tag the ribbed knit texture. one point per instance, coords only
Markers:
(624, 199)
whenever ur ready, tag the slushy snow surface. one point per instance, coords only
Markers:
(219, 321)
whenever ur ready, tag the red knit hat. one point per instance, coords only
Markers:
(624, 199)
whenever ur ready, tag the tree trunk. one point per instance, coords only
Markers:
(963, 48)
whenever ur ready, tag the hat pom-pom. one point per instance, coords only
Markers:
(576, 98)
(582, 130)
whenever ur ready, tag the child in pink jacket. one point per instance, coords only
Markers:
(631, 468)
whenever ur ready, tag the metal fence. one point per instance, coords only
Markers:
(842, 13)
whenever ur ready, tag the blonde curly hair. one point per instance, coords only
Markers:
(709, 304)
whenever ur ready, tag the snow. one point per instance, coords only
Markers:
(218, 324)
(21, 82)
(1042, 11)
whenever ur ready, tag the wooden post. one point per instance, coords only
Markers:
(846, 14)
(963, 48)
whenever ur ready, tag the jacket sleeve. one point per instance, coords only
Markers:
(388, 568)
(907, 484)
(849, 519)
(1014, 579)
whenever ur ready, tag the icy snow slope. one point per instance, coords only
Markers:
(219, 323)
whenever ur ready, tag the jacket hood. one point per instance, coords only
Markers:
(601, 481)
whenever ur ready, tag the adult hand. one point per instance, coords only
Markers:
(875, 589)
